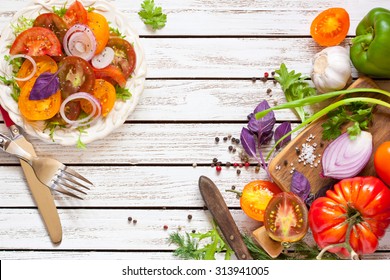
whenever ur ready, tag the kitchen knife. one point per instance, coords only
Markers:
(41, 193)
(220, 212)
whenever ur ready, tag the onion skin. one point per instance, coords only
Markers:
(345, 158)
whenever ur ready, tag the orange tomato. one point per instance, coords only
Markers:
(105, 92)
(255, 197)
(100, 29)
(330, 27)
(38, 110)
(44, 64)
(382, 162)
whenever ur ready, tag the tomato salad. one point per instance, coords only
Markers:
(73, 65)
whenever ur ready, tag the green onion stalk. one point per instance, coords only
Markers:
(320, 98)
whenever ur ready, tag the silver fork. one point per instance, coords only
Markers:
(50, 172)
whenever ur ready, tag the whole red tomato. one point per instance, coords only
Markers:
(382, 162)
(356, 212)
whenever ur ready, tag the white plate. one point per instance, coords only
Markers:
(121, 110)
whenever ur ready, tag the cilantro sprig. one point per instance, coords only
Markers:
(152, 15)
(294, 87)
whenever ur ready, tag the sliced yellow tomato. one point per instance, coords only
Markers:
(99, 26)
(38, 110)
(44, 64)
(105, 92)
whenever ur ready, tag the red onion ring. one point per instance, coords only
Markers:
(80, 41)
(96, 108)
(34, 64)
(104, 58)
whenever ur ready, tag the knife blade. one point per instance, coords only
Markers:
(220, 212)
(41, 194)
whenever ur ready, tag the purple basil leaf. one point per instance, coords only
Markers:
(45, 86)
(265, 124)
(265, 138)
(321, 192)
(248, 142)
(280, 131)
(300, 185)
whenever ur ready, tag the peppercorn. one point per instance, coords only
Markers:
(237, 141)
(233, 187)
(233, 140)
(134, 221)
(238, 171)
(216, 139)
(165, 227)
(225, 139)
(269, 90)
(234, 150)
(228, 164)
(215, 160)
(285, 162)
(189, 217)
(230, 148)
(254, 80)
(257, 169)
(129, 219)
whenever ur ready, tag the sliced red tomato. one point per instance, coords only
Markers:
(76, 13)
(37, 41)
(125, 57)
(38, 110)
(100, 29)
(330, 27)
(75, 75)
(53, 22)
(111, 74)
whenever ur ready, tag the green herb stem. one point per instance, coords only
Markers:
(332, 107)
(319, 98)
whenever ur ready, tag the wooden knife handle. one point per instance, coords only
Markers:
(218, 208)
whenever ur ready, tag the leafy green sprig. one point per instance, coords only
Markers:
(122, 93)
(152, 15)
(189, 245)
(21, 24)
(61, 10)
(294, 87)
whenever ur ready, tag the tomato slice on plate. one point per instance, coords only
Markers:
(38, 110)
(75, 75)
(37, 41)
(52, 22)
(111, 74)
(125, 57)
(76, 13)
(330, 27)
(44, 64)
(105, 92)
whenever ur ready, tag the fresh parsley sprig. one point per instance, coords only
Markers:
(152, 15)
(294, 87)
(189, 247)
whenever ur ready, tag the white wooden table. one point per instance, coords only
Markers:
(199, 86)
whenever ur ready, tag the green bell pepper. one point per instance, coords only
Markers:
(370, 50)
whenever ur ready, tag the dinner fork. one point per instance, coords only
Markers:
(50, 172)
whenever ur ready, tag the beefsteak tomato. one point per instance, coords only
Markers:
(353, 216)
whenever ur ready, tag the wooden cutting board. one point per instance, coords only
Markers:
(282, 164)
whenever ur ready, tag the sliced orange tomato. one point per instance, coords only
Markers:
(105, 92)
(330, 27)
(76, 13)
(100, 29)
(111, 74)
(38, 110)
(44, 64)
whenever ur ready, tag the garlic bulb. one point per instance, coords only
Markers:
(331, 69)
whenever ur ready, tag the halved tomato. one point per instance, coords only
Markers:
(38, 110)
(53, 22)
(44, 64)
(37, 41)
(100, 29)
(111, 74)
(76, 13)
(75, 75)
(125, 57)
(330, 27)
(105, 92)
